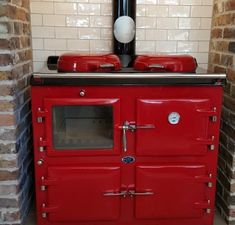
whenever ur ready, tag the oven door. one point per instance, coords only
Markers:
(82, 127)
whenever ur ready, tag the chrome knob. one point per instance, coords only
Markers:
(40, 162)
(82, 93)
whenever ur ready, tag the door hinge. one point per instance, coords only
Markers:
(212, 114)
(208, 142)
(205, 179)
(42, 144)
(41, 114)
(48, 209)
(47, 182)
(204, 205)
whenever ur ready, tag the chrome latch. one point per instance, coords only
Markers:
(40, 115)
(147, 193)
(115, 194)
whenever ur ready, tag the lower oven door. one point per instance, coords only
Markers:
(81, 194)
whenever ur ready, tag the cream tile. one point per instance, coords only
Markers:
(206, 23)
(88, 9)
(77, 21)
(201, 11)
(207, 2)
(106, 34)
(36, 19)
(78, 45)
(146, 22)
(101, 21)
(43, 32)
(106, 9)
(37, 43)
(199, 35)
(145, 46)
(66, 8)
(100, 1)
(169, 2)
(140, 10)
(37, 66)
(167, 23)
(66, 32)
(156, 10)
(204, 46)
(54, 44)
(140, 34)
(166, 46)
(54, 20)
(189, 23)
(152, 2)
(201, 57)
(179, 11)
(178, 35)
(156, 35)
(89, 33)
(187, 46)
(100, 46)
(42, 7)
(42, 55)
(191, 2)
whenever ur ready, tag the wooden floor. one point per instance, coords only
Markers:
(32, 219)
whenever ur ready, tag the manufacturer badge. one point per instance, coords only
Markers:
(128, 159)
(174, 118)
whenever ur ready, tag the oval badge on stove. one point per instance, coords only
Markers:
(128, 159)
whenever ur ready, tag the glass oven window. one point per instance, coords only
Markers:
(82, 127)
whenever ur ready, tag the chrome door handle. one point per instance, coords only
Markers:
(157, 66)
(106, 65)
(114, 194)
(147, 193)
(125, 127)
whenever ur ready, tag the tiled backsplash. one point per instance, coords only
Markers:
(163, 26)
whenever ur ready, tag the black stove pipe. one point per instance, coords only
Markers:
(124, 17)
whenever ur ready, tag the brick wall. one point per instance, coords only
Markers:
(222, 60)
(15, 131)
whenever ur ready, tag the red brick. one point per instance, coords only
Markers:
(229, 5)
(6, 175)
(216, 33)
(229, 32)
(5, 59)
(229, 102)
(231, 74)
(226, 60)
(7, 120)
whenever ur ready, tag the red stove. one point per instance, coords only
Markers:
(125, 146)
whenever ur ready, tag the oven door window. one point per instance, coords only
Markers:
(82, 127)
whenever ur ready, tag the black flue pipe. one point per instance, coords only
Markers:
(125, 51)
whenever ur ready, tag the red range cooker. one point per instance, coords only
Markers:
(125, 140)
(125, 147)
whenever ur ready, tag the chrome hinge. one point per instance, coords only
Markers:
(42, 144)
(40, 115)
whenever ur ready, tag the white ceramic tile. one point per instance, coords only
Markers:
(146, 22)
(54, 44)
(189, 23)
(207, 2)
(145, 46)
(37, 43)
(167, 23)
(42, 7)
(100, 1)
(206, 23)
(179, 11)
(78, 45)
(152, 2)
(156, 35)
(66, 8)
(106, 33)
(200, 57)
(203, 46)
(37, 66)
(156, 10)
(140, 34)
(42, 55)
(77, 21)
(187, 46)
(169, 2)
(36, 19)
(140, 10)
(100, 46)
(201, 11)
(53, 20)
(191, 2)
(199, 35)
(178, 35)
(89, 33)
(106, 9)
(88, 9)
(101, 21)
(66, 32)
(166, 46)
(43, 32)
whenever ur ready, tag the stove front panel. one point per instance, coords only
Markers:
(119, 155)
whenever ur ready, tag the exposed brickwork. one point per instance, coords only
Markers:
(222, 60)
(15, 133)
